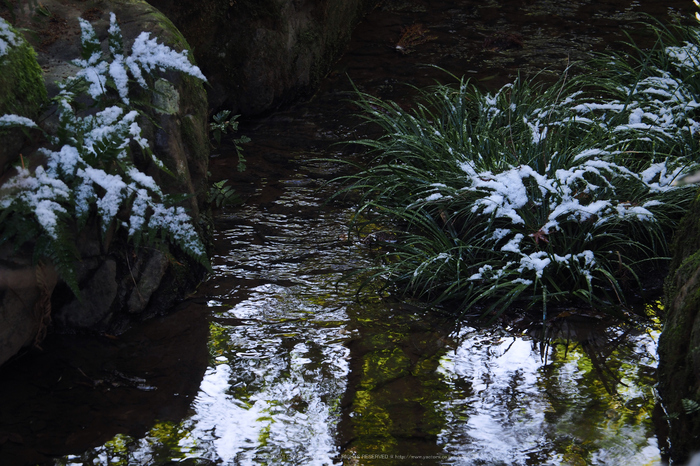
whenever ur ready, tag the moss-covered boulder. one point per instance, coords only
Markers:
(258, 54)
(24, 287)
(120, 283)
(679, 344)
(22, 90)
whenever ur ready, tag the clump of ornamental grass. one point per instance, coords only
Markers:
(87, 167)
(535, 194)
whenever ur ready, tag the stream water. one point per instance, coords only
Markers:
(275, 360)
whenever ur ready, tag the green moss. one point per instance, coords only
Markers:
(22, 89)
(22, 92)
(177, 40)
(195, 137)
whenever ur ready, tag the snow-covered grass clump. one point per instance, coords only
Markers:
(86, 165)
(537, 193)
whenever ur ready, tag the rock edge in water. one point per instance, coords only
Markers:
(679, 343)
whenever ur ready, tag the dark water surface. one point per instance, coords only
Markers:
(274, 361)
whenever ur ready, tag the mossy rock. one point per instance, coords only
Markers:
(679, 344)
(22, 92)
(175, 123)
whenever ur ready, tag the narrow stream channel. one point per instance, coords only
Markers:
(276, 360)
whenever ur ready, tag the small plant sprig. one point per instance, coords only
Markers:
(88, 167)
(221, 125)
(221, 195)
(690, 406)
(411, 37)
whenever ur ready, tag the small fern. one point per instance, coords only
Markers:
(690, 406)
(220, 125)
(88, 167)
(221, 195)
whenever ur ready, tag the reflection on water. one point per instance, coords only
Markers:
(512, 404)
(497, 413)
(499, 395)
(274, 390)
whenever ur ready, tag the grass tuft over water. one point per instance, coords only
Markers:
(536, 194)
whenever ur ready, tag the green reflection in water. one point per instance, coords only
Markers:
(218, 340)
(597, 394)
(584, 402)
(602, 399)
(394, 389)
(160, 446)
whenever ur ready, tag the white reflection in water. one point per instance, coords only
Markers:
(275, 399)
(503, 409)
(502, 375)
(286, 421)
(229, 424)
